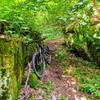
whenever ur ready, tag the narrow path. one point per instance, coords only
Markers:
(63, 85)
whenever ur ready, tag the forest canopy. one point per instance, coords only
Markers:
(40, 17)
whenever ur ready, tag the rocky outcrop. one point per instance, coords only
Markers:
(14, 53)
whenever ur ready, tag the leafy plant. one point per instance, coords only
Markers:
(81, 35)
(88, 89)
(33, 80)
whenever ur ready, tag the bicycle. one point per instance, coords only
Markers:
(40, 60)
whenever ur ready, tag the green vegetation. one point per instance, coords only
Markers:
(33, 80)
(25, 23)
(46, 90)
(51, 33)
(82, 33)
(86, 73)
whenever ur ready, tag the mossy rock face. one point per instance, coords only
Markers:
(14, 54)
(11, 68)
(12, 62)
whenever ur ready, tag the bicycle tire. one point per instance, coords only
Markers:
(39, 75)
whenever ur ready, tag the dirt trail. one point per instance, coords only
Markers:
(63, 85)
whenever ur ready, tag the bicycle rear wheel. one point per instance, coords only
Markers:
(38, 65)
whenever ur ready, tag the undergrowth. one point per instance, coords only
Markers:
(50, 33)
(86, 73)
(45, 90)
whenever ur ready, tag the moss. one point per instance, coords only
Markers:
(10, 51)
(13, 88)
(33, 80)
(14, 54)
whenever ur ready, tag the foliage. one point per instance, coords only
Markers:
(27, 16)
(85, 73)
(88, 89)
(45, 89)
(21, 18)
(33, 80)
(85, 39)
(51, 33)
(33, 19)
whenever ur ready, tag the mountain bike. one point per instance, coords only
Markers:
(40, 60)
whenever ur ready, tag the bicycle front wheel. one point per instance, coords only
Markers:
(38, 65)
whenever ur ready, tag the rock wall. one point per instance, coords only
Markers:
(14, 54)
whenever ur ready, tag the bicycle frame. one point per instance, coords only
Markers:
(39, 59)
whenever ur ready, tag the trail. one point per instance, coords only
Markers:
(63, 85)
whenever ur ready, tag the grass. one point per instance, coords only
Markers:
(45, 89)
(86, 73)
